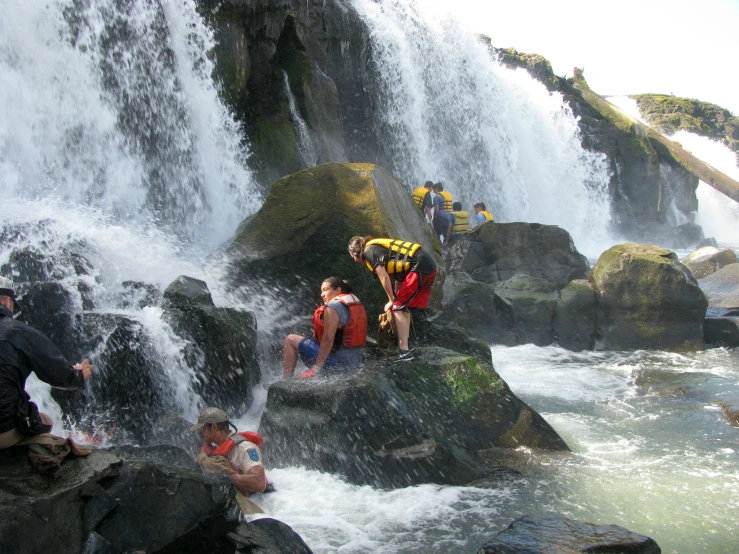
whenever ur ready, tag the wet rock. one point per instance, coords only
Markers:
(646, 299)
(721, 331)
(471, 305)
(394, 425)
(268, 536)
(731, 411)
(222, 344)
(575, 316)
(559, 535)
(707, 260)
(139, 295)
(722, 288)
(497, 251)
(528, 304)
(300, 235)
(110, 503)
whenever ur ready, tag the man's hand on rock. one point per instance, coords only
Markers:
(85, 367)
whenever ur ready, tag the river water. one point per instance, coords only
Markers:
(651, 448)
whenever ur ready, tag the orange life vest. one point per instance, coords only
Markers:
(224, 449)
(354, 332)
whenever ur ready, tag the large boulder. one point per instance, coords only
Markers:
(646, 299)
(525, 310)
(299, 237)
(722, 289)
(497, 251)
(575, 316)
(221, 344)
(394, 425)
(551, 534)
(721, 331)
(128, 499)
(707, 260)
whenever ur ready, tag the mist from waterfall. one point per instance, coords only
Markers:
(452, 113)
(111, 105)
(116, 153)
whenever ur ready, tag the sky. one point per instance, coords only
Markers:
(680, 47)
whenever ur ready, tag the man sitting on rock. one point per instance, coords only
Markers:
(23, 350)
(482, 215)
(410, 268)
(339, 334)
(233, 454)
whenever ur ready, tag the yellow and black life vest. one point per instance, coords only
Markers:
(461, 222)
(487, 214)
(401, 253)
(419, 194)
(447, 200)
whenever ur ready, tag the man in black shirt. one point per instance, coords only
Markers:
(23, 350)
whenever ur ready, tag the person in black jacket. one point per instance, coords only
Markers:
(23, 350)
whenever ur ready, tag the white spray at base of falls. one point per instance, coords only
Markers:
(116, 150)
(452, 113)
(111, 105)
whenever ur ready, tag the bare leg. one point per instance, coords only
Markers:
(403, 327)
(290, 355)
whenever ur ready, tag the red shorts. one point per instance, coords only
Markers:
(414, 292)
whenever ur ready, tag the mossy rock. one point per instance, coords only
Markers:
(574, 316)
(646, 299)
(394, 425)
(299, 237)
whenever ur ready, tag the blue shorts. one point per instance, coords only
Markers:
(344, 358)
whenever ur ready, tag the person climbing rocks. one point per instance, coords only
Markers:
(423, 198)
(461, 220)
(443, 219)
(406, 272)
(339, 334)
(233, 454)
(24, 350)
(481, 213)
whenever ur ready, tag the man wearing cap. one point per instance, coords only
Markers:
(241, 450)
(23, 350)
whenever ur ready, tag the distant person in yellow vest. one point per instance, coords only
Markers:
(481, 214)
(423, 198)
(407, 273)
(461, 220)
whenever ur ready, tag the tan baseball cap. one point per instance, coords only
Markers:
(210, 415)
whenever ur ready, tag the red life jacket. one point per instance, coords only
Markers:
(354, 333)
(226, 446)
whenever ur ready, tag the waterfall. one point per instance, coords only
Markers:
(119, 165)
(305, 144)
(111, 105)
(490, 134)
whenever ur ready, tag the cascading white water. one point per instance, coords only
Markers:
(114, 144)
(111, 105)
(451, 113)
(305, 144)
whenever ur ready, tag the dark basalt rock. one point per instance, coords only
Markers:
(722, 289)
(528, 303)
(495, 252)
(124, 500)
(222, 343)
(559, 535)
(394, 425)
(575, 316)
(721, 331)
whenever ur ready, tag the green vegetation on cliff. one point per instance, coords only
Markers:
(670, 114)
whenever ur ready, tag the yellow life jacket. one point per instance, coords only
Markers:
(461, 222)
(419, 194)
(447, 200)
(487, 214)
(401, 252)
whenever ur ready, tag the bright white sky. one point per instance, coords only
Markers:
(687, 48)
